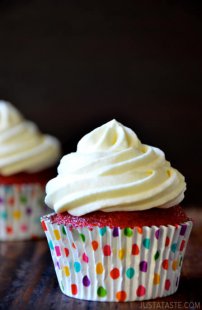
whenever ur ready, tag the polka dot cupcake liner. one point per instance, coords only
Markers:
(21, 207)
(105, 264)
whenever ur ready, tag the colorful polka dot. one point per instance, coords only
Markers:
(94, 245)
(157, 278)
(167, 242)
(146, 243)
(85, 258)
(130, 272)
(114, 273)
(182, 245)
(143, 266)
(86, 281)
(9, 229)
(66, 250)
(43, 224)
(101, 291)
(57, 250)
(73, 245)
(66, 271)
(128, 232)
(11, 201)
(107, 250)
(156, 256)
(174, 247)
(121, 253)
(63, 230)
(167, 284)
(99, 268)
(115, 232)
(24, 227)
(23, 199)
(157, 233)
(139, 229)
(121, 265)
(17, 214)
(103, 231)
(183, 230)
(174, 265)
(51, 245)
(121, 296)
(16, 211)
(165, 264)
(135, 249)
(28, 211)
(74, 289)
(4, 215)
(82, 237)
(77, 266)
(141, 291)
(8, 189)
(56, 234)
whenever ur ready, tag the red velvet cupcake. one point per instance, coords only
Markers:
(119, 233)
(26, 161)
(153, 217)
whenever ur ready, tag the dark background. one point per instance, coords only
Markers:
(72, 65)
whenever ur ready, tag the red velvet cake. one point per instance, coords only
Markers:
(25, 178)
(122, 219)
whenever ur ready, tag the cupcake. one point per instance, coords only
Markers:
(27, 158)
(118, 232)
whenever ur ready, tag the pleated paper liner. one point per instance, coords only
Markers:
(21, 206)
(105, 264)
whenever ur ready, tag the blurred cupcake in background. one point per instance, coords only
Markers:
(27, 158)
(118, 232)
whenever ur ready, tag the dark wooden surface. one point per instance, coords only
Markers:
(28, 281)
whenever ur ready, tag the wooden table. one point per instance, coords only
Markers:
(28, 281)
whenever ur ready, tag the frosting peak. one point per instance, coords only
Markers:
(22, 147)
(113, 171)
(110, 137)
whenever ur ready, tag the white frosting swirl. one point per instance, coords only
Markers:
(113, 171)
(22, 147)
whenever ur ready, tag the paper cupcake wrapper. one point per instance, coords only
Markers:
(21, 206)
(105, 264)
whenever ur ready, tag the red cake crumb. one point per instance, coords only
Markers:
(154, 216)
(41, 177)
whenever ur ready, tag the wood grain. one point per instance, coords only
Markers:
(28, 281)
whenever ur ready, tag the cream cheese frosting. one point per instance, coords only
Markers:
(22, 147)
(113, 171)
